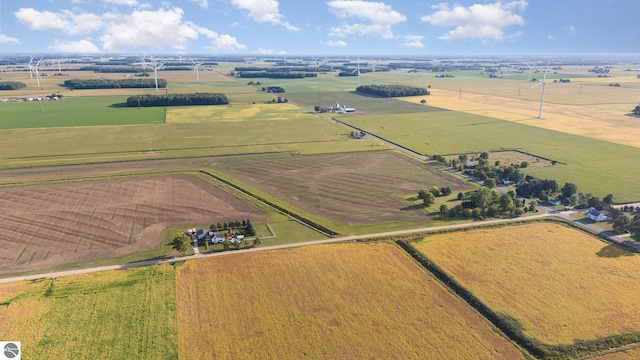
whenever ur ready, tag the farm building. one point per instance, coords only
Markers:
(598, 215)
(469, 165)
(554, 202)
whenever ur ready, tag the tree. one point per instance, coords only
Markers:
(484, 155)
(226, 243)
(428, 199)
(206, 246)
(568, 190)
(622, 223)
(608, 199)
(181, 243)
(636, 111)
(524, 164)
(249, 230)
(257, 241)
(490, 183)
(435, 191)
(443, 209)
(316, 108)
(423, 102)
(445, 191)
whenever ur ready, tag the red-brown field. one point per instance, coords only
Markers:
(47, 225)
(353, 188)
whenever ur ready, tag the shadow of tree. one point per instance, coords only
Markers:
(612, 251)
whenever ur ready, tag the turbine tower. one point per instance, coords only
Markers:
(31, 68)
(543, 83)
(35, 68)
(358, 70)
(195, 69)
(156, 66)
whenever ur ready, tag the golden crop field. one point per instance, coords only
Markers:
(339, 301)
(126, 314)
(232, 113)
(608, 123)
(631, 354)
(559, 283)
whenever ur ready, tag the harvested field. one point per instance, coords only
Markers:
(622, 355)
(589, 121)
(352, 188)
(341, 301)
(560, 284)
(47, 225)
(126, 314)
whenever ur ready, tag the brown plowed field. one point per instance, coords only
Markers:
(353, 188)
(47, 225)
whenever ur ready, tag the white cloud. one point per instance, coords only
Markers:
(264, 51)
(4, 39)
(264, 11)
(156, 29)
(570, 29)
(202, 3)
(376, 18)
(551, 37)
(336, 43)
(118, 31)
(131, 3)
(226, 42)
(81, 46)
(484, 22)
(413, 41)
(64, 21)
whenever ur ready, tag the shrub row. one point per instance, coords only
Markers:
(113, 84)
(11, 85)
(578, 349)
(302, 219)
(275, 75)
(177, 100)
(392, 90)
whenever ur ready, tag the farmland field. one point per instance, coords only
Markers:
(333, 301)
(354, 188)
(77, 145)
(596, 166)
(108, 315)
(84, 111)
(253, 112)
(558, 283)
(47, 225)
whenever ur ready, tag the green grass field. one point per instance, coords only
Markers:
(596, 166)
(295, 131)
(80, 111)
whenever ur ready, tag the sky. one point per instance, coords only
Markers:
(320, 27)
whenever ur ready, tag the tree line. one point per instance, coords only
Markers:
(11, 85)
(244, 227)
(392, 90)
(177, 100)
(113, 84)
(275, 75)
(273, 89)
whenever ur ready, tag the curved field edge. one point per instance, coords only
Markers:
(509, 325)
(326, 301)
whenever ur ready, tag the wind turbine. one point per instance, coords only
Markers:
(358, 70)
(156, 66)
(31, 68)
(543, 83)
(195, 69)
(35, 68)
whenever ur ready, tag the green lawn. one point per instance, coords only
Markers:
(596, 166)
(80, 111)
